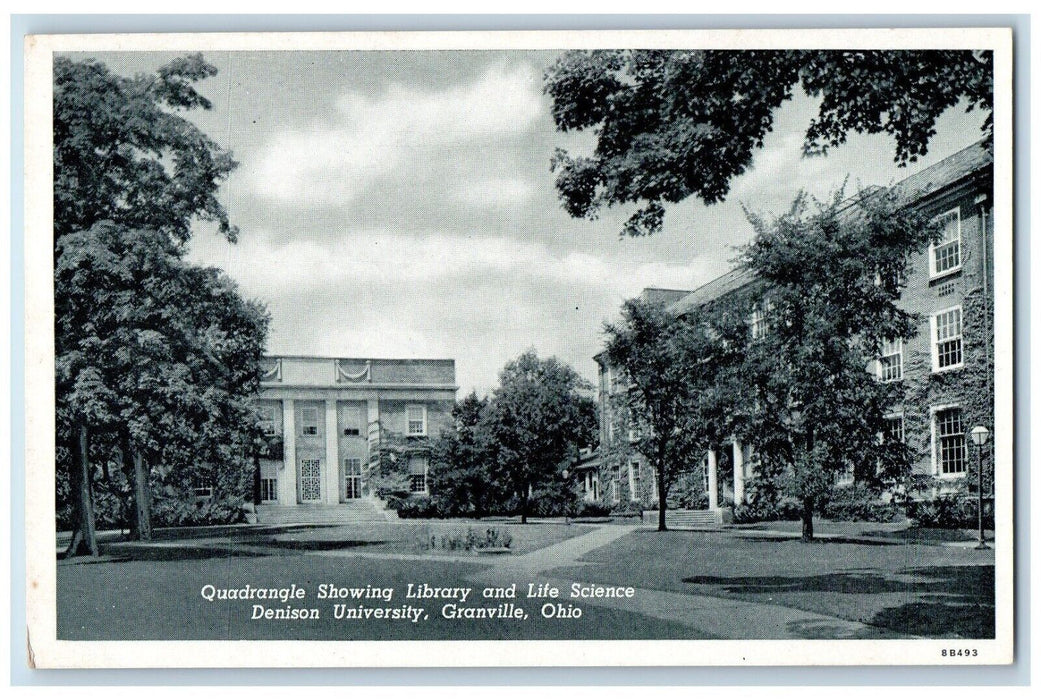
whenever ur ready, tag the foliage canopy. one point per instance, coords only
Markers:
(672, 124)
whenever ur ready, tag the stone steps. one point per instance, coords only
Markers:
(688, 519)
(358, 511)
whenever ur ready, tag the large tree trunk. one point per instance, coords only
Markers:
(807, 520)
(662, 505)
(256, 479)
(524, 504)
(142, 498)
(84, 536)
(140, 493)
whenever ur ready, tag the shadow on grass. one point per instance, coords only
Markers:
(823, 540)
(321, 545)
(927, 535)
(134, 552)
(951, 601)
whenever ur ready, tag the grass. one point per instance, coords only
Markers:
(903, 586)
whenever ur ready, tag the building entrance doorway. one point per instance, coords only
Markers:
(351, 479)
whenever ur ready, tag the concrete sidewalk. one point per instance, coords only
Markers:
(707, 616)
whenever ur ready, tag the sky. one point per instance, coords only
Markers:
(401, 205)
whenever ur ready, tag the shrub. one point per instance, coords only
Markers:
(591, 509)
(627, 508)
(415, 507)
(763, 502)
(957, 511)
(171, 512)
(689, 494)
(469, 541)
(858, 502)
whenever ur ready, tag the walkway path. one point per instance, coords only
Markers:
(719, 618)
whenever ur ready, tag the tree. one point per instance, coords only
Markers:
(157, 358)
(672, 124)
(123, 153)
(673, 367)
(534, 421)
(461, 473)
(830, 278)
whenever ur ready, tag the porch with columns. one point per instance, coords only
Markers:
(738, 467)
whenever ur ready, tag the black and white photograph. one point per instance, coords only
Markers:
(583, 347)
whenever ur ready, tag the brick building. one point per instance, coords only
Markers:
(329, 420)
(947, 368)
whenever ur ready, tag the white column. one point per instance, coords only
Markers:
(287, 479)
(373, 424)
(739, 473)
(332, 454)
(713, 483)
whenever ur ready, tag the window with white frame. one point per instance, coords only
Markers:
(634, 431)
(417, 419)
(945, 254)
(352, 421)
(268, 490)
(946, 327)
(267, 419)
(202, 488)
(417, 474)
(758, 323)
(949, 449)
(894, 430)
(308, 421)
(891, 361)
(634, 481)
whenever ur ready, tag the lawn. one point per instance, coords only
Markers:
(154, 593)
(904, 586)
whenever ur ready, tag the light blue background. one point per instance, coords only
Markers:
(1018, 674)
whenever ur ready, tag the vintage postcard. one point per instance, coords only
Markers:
(519, 348)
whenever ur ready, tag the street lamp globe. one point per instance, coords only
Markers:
(979, 436)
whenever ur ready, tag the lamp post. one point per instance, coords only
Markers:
(980, 436)
(567, 506)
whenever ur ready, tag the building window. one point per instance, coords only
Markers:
(417, 420)
(758, 324)
(614, 491)
(268, 425)
(894, 431)
(891, 361)
(202, 489)
(633, 431)
(268, 490)
(417, 474)
(947, 340)
(949, 447)
(352, 478)
(846, 476)
(945, 254)
(352, 420)
(634, 481)
(308, 421)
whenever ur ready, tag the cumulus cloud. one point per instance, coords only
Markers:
(402, 131)
(431, 294)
